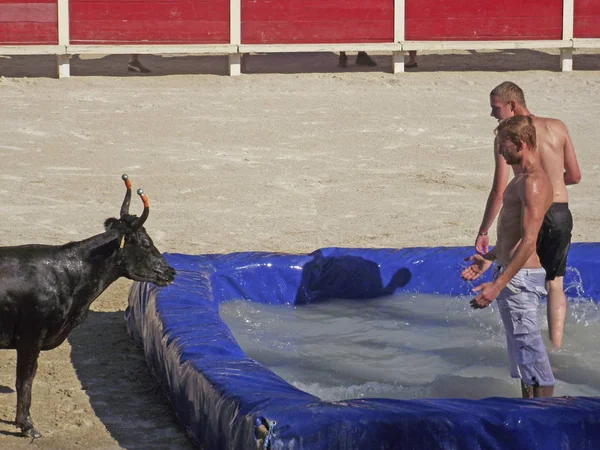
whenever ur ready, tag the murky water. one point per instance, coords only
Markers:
(406, 347)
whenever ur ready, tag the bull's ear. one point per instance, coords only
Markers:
(104, 251)
(108, 223)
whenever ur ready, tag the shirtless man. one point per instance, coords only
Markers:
(519, 278)
(560, 163)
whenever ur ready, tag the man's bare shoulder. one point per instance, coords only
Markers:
(549, 123)
(538, 185)
(536, 178)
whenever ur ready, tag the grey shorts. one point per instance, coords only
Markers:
(518, 303)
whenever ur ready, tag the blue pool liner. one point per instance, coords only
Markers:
(225, 400)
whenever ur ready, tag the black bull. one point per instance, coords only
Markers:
(46, 290)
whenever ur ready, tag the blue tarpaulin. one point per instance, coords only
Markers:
(225, 400)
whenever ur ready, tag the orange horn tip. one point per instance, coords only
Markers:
(140, 192)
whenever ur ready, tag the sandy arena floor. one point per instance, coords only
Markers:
(296, 156)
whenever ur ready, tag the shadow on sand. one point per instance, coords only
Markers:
(123, 394)
(291, 63)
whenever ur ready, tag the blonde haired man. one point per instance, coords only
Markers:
(519, 278)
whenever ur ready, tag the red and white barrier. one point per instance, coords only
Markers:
(235, 27)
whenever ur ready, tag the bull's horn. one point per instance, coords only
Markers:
(127, 200)
(144, 215)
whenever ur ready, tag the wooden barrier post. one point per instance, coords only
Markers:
(399, 18)
(63, 66)
(566, 54)
(235, 36)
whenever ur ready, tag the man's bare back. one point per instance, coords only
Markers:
(556, 152)
(555, 149)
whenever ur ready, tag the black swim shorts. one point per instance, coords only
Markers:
(554, 240)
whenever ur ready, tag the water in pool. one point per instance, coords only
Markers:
(406, 347)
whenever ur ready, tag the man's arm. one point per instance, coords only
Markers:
(534, 209)
(572, 172)
(494, 201)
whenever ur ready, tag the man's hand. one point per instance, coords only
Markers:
(482, 244)
(475, 270)
(487, 294)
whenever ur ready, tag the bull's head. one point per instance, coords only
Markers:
(139, 259)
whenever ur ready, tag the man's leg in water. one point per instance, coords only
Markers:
(554, 241)
(536, 391)
(527, 355)
(557, 310)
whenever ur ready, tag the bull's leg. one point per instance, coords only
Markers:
(27, 361)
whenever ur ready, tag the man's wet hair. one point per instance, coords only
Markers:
(508, 91)
(519, 128)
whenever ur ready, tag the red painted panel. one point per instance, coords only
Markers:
(586, 20)
(25, 33)
(587, 7)
(149, 32)
(2, 2)
(453, 9)
(484, 29)
(149, 22)
(142, 4)
(316, 32)
(27, 12)
(483, 19)
(175, 11)
(315, 11)
(23, 22)
(317, 21)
